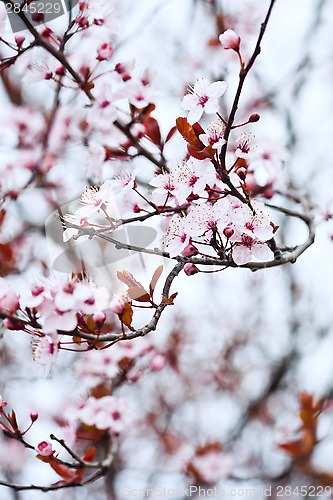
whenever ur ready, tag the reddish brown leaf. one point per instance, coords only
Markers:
(128, 278)
(170, 134)
(127, 315)
(187, 132)
(207, 152)
(169, 300)
(154, 280)
(138, 293)
(89, 454)
(153, 130)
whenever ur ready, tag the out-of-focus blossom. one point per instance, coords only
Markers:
(203, 97)
(107, 413)
(105, 51)
(214, 136)
(9, 301)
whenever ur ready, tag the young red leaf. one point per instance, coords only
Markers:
(128, 278)
(154, 280)
(187, 132)
(170, 134)
(138, 293)
(127, 315)
(89, 454)
(153, 130)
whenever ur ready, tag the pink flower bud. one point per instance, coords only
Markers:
(44, 449)
(255, 117)
(190, 269)
(230, 40)
(99, 318)
(60, 70)
(190, 250)
(268, 193)
(105, 51)
(158, 362)
(19, 39)
(33, 416)
(241, 172)
(9, 301)
(228, 232)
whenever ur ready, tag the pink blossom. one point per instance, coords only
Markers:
(108, 413)
(177, 238)
(158, 362)
(203, 97)
(44, 448)
(45, 351)
(117, 304)
(8, 299)
(230, 40)
(192, 179)
(203, 219)
(165, 185)
(105, 51)
(212, 466)
(214, 136)
(245, 146)
(249, 247)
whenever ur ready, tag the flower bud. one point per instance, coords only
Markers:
(241, 172)
(33, 416)
(19, 39)
(255, 117)
(268, 193)
(228, 232)
(190, 250)
(44, 448)
(99, 318)
(230, 40)
(117, 305)
(60, 70)
(190, 269)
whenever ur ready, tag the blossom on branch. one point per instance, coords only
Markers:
(203, 97)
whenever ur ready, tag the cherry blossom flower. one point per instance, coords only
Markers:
(45, 350)
(230, 40)
(117, 304)
(249, 247)
(192, 179)
(214, 136)
(44, 448)
(205, 218)
(177, 239)
(245, 146)
(105, 51)
(107, 413)
(71, 232)
(165, 185)
(8, 299)
(203, 97)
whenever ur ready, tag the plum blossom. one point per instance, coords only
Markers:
(249, 247)
(245, 146)
(192, 179)
(8, 299)
(105, 51)
(177, 238)
(230, 40)
(165, 185)
(45, 351)
(203, 97)
(44, 448)
(205, 218)
(214, 136)
(59, 303)
(107, 413)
